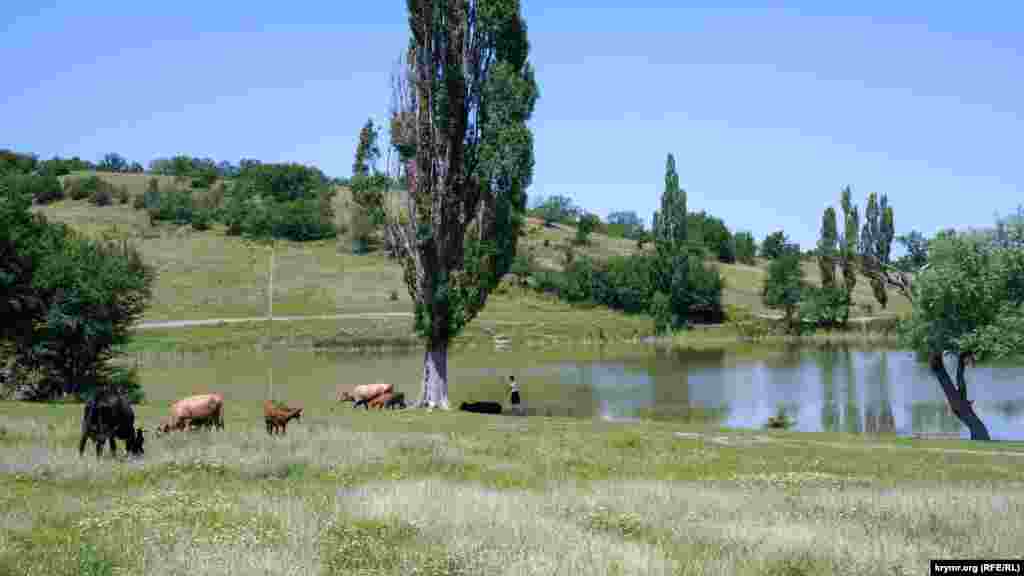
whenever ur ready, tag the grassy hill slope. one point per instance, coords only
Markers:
(209, 274)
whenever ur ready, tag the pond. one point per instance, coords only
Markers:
(836, 388)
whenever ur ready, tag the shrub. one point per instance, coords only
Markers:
(174, 205)
(586, 225)
(393, 296)
(122, 194)
(201, 219)
(138, 202)
(82, 188)
(101, 196)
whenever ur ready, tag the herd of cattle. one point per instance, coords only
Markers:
(109, 416)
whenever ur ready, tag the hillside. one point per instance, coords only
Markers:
(209, 274)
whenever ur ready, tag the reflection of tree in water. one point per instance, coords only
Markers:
(933, 417)
(670, 374)
(826, 356)
(1009, 409)
(851, 417)
(878, 414)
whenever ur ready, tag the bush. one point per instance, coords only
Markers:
(101, 196)
(122, 194)
(138, 202)
(201, 220)
(82, 188)
(174, 205)
(586, 225)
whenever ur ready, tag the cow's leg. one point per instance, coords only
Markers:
(81, 444)
(99, 447)
(113, 446)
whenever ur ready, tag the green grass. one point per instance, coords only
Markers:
(350, 492)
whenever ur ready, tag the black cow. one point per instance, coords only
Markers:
(108, 416)
(481, 407)
(396, 402)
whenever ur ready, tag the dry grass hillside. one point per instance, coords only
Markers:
(209, 274)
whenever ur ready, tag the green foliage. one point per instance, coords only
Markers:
(82, 188)
(774, 244)
(367, 151)
(202, 219)
(68, 300)
(916, 246)
(174, 205)
(484, 127)
(42, 189)
(587, 223)
(661, 311)
(968, 301)
(282, 182)
(556, 209)
(746, 248)
(625, 225)
(827, 249)
(849, 242)
(825, 307)
(113, 162)
(713, 234)
(784, 285)
(12, 162)
(876, 243)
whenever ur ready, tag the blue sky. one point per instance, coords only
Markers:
(768, 109)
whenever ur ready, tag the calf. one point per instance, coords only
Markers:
(108, 416)
(363, 393)
(481, 407)
(194, 411)
(277, 418)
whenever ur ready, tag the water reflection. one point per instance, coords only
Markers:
(831, 388)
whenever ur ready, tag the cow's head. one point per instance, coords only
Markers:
(345, 396)
(165, 426)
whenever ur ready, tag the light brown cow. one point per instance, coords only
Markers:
(277, 418)
(380, 401)
(363, 393)
(199, 410)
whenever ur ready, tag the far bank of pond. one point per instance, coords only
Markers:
(856, 388)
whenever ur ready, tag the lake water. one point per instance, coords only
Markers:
(835, 388)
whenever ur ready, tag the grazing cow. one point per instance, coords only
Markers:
(363, 393)
(195, 411)
(396, 401)
(380, 401)
(108, 416)
(481, 407)
(277, 418)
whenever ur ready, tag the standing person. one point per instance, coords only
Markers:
(514, 397)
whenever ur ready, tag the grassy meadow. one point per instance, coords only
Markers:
(447, 493)
(351, 492)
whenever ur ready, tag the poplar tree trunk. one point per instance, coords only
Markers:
(435, 375)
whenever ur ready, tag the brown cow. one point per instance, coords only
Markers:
(380, 401)
(363, 393)
(277, 418)
(200, 410)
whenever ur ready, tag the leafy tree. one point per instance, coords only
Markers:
(556, 209)
(774, 244)
(746, 248)
(876, 243)
(827, 249)
(670, 243)
(784, 286)
(12, 162)
(626, 224)
(66, 300)
(848, 243)
(713, 234)
(112, 162)
(967, 305)
(586, 225)
(459, 126)
(367, 151)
